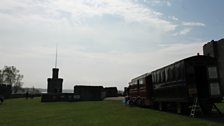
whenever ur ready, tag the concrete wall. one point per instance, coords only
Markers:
(216, 49)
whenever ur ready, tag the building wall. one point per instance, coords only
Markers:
(111, 91)
(54, 85)
(216, 49)
(89, 93)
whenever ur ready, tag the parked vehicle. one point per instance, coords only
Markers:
(178, 85)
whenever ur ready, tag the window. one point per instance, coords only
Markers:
(212, 72)
(153, 78)
(158, 77)
(177, 72)
(181, 71)
(170, 72)
(141, 82)
(174, 73)
(214, 88)
(162, 75)
(166, 74)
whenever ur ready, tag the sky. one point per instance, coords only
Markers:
(103, 42)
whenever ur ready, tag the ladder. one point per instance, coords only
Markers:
(217, 109)
(195, 107)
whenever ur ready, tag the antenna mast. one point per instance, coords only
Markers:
(56, 56)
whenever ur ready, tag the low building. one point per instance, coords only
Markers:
(89, 93)
(111, 91)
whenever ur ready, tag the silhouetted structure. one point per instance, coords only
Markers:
(111, 91)
(56, 97)
(216, 49)
(192, 81)
(5, 90)
(54, 88)
(54, 83)
(89, 93)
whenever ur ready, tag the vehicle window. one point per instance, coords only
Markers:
(158, 77)
(181, 71)
(153, 78)
(170, 71)
(177, 75)
(214, 89)
(174, 73)
(163, 76)
(141, 82)
(166, 74)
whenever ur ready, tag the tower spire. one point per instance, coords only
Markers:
(56, 56)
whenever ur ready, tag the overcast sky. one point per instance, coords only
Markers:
(103, 42)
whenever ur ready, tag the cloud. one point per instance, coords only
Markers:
(187, 27)
(193, 24)
(168, 3)
(173, 18)
(159, 2)
(94, 25)
(93, 68)
(100, 41)
(76, 12)
(183, 32)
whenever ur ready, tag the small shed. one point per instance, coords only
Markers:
(89, 93)
(111, 91)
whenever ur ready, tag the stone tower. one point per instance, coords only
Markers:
(216, 49)
(54, 83)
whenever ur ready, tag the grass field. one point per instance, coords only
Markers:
(21, 112)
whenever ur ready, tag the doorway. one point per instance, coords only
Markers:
(201, 79)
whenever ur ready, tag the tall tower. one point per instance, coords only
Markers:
(55, 84)
(216, 49)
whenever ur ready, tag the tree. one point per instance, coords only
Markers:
(1, 77)
(10, 76)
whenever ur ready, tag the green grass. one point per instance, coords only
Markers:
(221, 106)
(21, 112)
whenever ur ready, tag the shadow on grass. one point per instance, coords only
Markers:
(212, 117)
